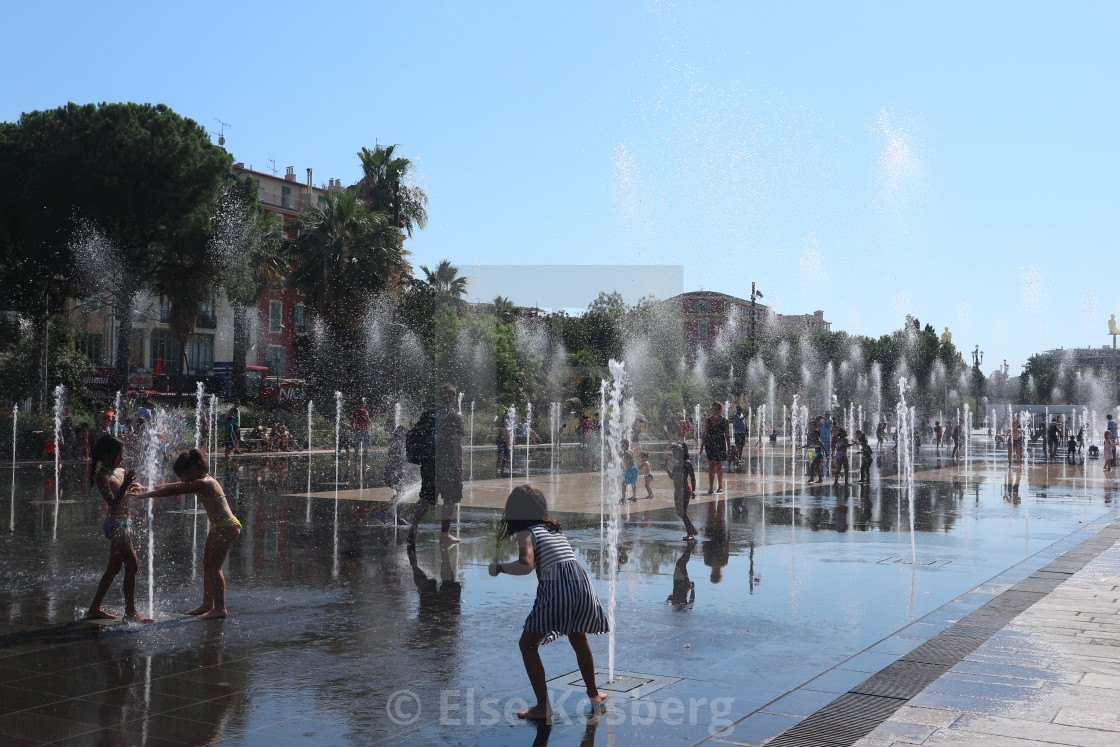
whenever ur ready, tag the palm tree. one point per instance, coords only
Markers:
(346, 252)
(445, 280)
(503, 307)
(382, 187)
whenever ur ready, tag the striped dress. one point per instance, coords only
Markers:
(566, 601)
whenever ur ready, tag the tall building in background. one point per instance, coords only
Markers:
(281, 316)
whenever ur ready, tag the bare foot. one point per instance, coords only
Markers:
(536, 713)
(99, 614)
(199, 610)
(449, 539)
(212, 615)
(597, 700)
(134, 617)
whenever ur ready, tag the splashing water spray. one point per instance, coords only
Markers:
(615, 488)
(310, 412)
(337, 429)
(15, 434)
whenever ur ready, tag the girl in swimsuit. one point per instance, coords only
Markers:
(116, 487)
(194, 477)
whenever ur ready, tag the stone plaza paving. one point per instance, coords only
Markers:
(986, 609)
(1052, 676)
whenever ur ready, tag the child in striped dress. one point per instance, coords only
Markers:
(566, 602)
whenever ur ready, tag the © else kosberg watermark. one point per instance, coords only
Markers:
(464, 707)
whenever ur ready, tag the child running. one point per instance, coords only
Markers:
(194, 476)
(679, 467)
(117, 487)
(566, 603)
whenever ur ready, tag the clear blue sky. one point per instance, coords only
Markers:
(955, 161)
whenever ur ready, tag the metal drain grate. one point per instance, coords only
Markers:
(903, 679)
(632, 685)
(841, 722)
(911, 561)
(944, 649)
(620, 683)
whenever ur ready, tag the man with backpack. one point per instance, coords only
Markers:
(435, 442)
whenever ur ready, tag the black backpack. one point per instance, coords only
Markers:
(419, 442)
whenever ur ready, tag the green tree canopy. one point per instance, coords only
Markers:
(138, 174)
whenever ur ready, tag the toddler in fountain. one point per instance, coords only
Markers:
(630, 476)
(194, 477)
(679, 467)
(566, 602)
(646, 471)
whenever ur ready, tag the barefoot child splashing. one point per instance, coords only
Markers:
(566, 603)
(117, 487)
(194, 476)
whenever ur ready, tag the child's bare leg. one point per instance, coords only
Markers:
(586, 661)
(131, 566)
(530, 654)
(111, 571)
(217, 548)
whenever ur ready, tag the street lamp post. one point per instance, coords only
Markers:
(977, 375)
(1114, 331)
(755, 295)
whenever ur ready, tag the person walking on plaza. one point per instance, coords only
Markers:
(715, 442)
(842, 465)
(441, 461)
(233, 426)
(359, 422)
(867, 457)
(1109, 451)
(1052, 438)
(739, 427)
(826, 437)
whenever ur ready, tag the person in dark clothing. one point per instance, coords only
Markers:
(441, 471)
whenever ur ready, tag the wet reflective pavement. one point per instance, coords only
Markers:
(338, 636)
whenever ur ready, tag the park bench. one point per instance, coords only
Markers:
(248, 443)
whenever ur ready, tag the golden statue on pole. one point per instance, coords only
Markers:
(946, 337)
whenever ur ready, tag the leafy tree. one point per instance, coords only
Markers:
(1038, 380)
(138, 173)
(20, 370)
(603, 324)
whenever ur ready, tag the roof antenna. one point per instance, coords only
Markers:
(222, 134)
